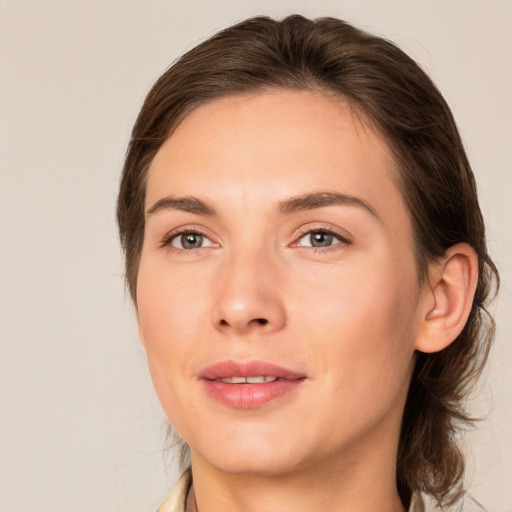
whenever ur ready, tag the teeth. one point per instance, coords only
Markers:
(235, 380)
(247, 380)
(260, 380)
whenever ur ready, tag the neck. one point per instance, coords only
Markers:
(364, 481)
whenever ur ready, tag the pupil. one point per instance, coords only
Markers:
(191, 240)
(321, 239)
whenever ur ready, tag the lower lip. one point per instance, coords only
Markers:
(250, 396)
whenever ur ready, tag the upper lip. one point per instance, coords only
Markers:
(230, 368)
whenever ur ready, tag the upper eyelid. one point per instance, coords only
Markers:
(167, 238)
(188, 228)
(343, 235)
(324, 227)
(340, 241)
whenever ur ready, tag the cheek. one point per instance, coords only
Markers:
(167, 322)
(363, 322)
(171, 311)
(168, 301)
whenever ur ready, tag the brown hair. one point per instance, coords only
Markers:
(434, 176)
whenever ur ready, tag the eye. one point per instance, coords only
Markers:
(189, 240)
(320, 238)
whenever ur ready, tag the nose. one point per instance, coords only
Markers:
(249, 297)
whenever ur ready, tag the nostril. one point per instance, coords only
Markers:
(259, 321)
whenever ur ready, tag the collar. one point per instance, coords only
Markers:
(177, 500)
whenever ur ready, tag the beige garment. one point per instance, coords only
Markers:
(176, 501)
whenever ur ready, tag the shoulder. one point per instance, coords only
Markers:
(176, 501)
(416, 504)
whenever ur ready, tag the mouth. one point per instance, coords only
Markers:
(247, 380)
(249, 385)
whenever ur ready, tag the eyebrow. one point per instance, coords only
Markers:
(295, 204)
(322, 199)
(184, 204)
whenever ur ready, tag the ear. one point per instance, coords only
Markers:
(447, 298)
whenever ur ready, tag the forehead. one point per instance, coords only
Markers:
(271, 145)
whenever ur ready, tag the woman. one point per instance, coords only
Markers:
(307, 257)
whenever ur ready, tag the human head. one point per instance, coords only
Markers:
(434, 177)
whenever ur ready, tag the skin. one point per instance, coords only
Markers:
(347, 316)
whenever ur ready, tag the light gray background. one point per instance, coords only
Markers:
(80, 428)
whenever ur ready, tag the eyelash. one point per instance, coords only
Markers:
(168, 239)
(342, 240)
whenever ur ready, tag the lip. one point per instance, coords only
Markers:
(247, 395)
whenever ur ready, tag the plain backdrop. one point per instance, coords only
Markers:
(80, 428)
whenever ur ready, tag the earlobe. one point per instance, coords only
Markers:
(448, 298)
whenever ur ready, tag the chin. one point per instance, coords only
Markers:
(247, 464)
(247, 454)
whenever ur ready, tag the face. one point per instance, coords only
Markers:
(277, 291)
